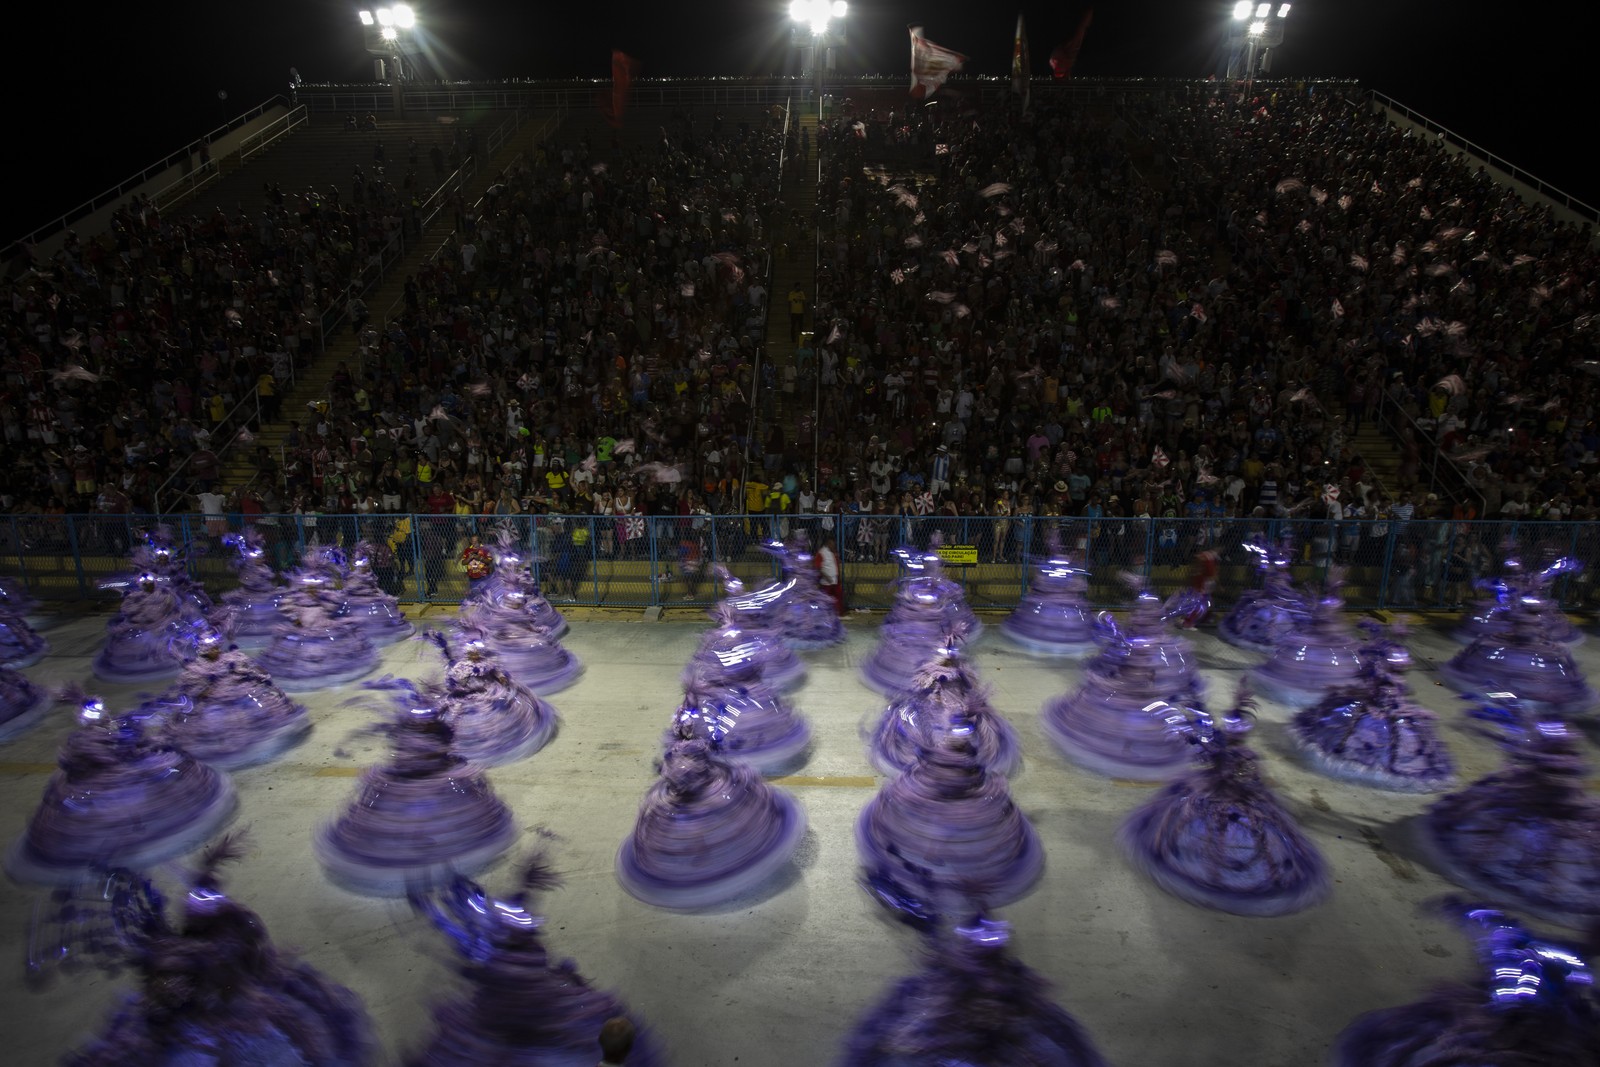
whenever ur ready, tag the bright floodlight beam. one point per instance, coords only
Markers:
(1263, 10)
(385, 17)
(1283, 11)
(1258, 28)
(840, 9)
(404, 17)
(389, 33)
(1242, 9)
(366, 18)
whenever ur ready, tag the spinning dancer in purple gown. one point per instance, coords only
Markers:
(1490, 615)
(948, 827)
(513, 588)
(120, 799)
(946, 697)
(709, 831)
(315, 647)
(794, 608)
(418, 820)
(215, 990)
(1217, 837)
(1117, 723)
(1533, 1005)
(254, 602)
(519, 1008)
(522, 646)
(23, 705)
(1374, 733)
(15, 598)
(168, 560)
(20, 646)
(495, 720)
(972, 1004)
(364, 601)
(1525, 836)
(1052, 618)
(741, 651)
(929, 614)
(1317, 658)
(224, 709)
(145, 640)
(1263, 617)
(751, 722)
(1523, 658)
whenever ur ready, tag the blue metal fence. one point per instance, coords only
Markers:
(639, 561)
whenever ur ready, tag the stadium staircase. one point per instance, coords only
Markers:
(794, 263)
(311, 385)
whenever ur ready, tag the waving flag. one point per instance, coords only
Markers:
(931, 64)
(623, 69)
(1020, 82)
(1066, 53)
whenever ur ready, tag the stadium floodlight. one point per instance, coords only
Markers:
(816, 13)
(1263, 10)
(385, 17)
(1242, 9)
(366, 18)
(1283, 11)
(1258, 28)
(840, 9)
(404, 17)
(389, 33)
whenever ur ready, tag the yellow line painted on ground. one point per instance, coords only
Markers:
(864, 781)
(26, 768)
(336, 772)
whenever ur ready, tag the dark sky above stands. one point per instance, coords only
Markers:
(105, 92)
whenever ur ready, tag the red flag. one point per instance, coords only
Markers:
(931, 64)
(1020, 83)
(623, 69)
(1066, 53)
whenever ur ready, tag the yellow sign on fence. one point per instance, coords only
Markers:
(958, 555)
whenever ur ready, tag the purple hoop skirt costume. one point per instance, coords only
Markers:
(119, 799)
(946, 698)
(709, 831)
(1219, 839)
(314, 648)
(227, 712)
(923, 594)
(148, 639)
(513, 587)
(417, 821)
(1528, 835)
(20, 646)
(1534, 1005)
(1524, 660)
(1119, 722)
(1314, 660)
(949, 829)
(752, 724)
(795, 609)
(1052, 618)
(376, 612)
(1374, 734)
(1263, 618)
(254, 602)
(495, 720)
(215, 990)
(23, 705)
(735, 653)
(525, 650)
(519, 1009)
(972, 1004)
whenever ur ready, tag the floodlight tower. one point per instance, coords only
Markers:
(1256, 28)
(391, 36)
(816, 37)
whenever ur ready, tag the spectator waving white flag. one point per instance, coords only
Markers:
(931, 64)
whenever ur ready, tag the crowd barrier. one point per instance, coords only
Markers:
(642, 561)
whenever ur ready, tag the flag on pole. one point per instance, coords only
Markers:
(1066, 53)
(931, 64)
(623, 69)
(1020, 83)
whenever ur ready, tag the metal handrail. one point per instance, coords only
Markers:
(1543, 188)
(761, 349)
(1395, 418)
(123, 188)
(230, 421)
(194, 181)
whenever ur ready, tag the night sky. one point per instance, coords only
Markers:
(1504, 82)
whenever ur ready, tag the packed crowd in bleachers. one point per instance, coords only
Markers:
(125, 353)
(584, 344)
(1034, 316)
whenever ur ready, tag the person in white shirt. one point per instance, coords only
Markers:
(828, 572)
